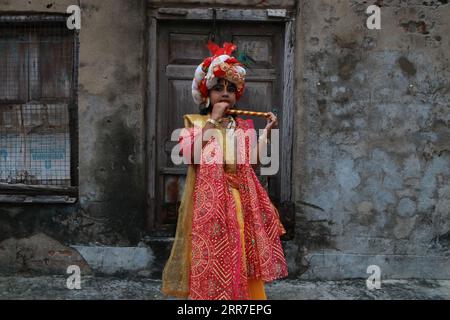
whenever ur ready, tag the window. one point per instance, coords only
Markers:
(37, 104)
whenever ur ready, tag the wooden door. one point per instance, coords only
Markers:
(181, 48)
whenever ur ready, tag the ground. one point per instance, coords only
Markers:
(113, 288)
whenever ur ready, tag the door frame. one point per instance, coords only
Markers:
(222, 14)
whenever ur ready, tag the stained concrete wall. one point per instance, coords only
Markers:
(371, 147)
(372, 140)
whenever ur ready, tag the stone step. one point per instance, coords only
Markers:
(146, 260)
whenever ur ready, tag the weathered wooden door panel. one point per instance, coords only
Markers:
(181, 48)
(264, 91)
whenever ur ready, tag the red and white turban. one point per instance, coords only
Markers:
(220, 65)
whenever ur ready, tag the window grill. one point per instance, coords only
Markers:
(37, 108)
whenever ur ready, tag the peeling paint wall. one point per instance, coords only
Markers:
(372, 146)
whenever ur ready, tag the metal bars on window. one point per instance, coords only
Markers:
(36, 103)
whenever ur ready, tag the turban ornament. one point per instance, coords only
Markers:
(220, 65)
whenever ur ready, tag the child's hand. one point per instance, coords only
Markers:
(272, 121)
(219, 110)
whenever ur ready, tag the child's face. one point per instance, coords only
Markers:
(223, 91)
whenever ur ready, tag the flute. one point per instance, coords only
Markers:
(247, 113)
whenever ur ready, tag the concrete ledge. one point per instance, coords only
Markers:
(338, 266)
(113, 260)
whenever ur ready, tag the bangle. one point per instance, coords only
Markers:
(213, 122)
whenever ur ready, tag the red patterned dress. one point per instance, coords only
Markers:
(227, 225)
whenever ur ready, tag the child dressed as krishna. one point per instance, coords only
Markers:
(227, 242)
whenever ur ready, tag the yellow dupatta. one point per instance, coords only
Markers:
(175, 276)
